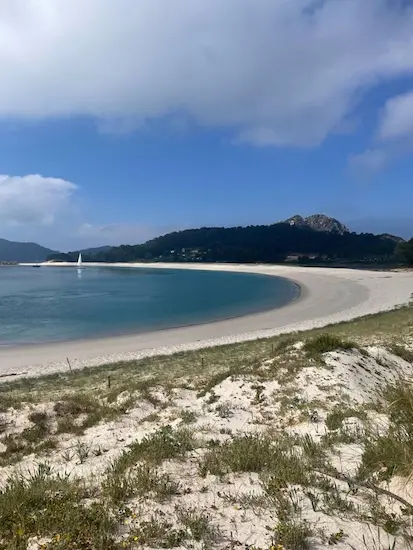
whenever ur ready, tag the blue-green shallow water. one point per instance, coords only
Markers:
(55, 304)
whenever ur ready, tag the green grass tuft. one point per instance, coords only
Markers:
(391, 454)
(277, 459)
(55, 508)
(402, 352)
(335, 417)
(326, 342)
(120, 486)
(198, 525)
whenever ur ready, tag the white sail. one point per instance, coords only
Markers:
(79, 260)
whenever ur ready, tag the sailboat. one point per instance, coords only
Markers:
(79, 262)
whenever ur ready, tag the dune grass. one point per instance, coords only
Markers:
(294, 473)
(392, 453)
(326, 342)
(48, 506)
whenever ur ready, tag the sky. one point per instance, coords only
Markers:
(121, 120)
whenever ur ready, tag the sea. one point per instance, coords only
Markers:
(51, 304)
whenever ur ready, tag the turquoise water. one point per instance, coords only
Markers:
(55, 304)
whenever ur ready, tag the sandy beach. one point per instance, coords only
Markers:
(327, 296)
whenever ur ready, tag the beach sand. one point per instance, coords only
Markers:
(327, 296)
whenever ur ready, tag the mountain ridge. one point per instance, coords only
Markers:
(14, 251)
(316, 236)
(312, 235)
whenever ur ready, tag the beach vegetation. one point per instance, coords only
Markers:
(403, 352)
(335, 417)
(173, 486)
(198, 524)
(391, 453)
(326, 342)
(122, 484)
(157, 532)
(55, 508)
(9, 400)
(293, 534)
(276, 458)
(188, 416)
(75, 413)
(284, 343)
(3, 423)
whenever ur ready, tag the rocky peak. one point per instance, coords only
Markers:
(319, 222)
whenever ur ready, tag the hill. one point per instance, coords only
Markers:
(318, 238)
(95, 250)
(326, 240)
(23, 252)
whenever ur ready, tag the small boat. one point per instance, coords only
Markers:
(79, 262)
(36, 265)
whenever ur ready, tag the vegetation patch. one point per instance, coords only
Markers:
(391, 454)
(120, 486)
(53, 507)
(326, 342)
(403, 352)
(188, 417)
(157, 532)
(198, 525)
(280, 460)
(72, 406)
(292, 534)
(264, 476)
(162, 445)
(335, 417)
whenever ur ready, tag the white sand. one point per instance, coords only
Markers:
(328, 296)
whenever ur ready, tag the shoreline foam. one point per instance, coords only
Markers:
(327, 296)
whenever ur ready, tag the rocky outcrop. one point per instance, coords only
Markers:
(319, 222)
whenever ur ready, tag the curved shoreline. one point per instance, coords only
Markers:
(327, 296)
(133, 333)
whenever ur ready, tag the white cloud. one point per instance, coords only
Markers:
(45, 210)
(275, 72)
(32, 200)
(372, 160)
(394, 134)
(397, 120)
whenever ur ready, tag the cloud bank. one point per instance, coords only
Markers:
(33, 200)
(272, 72)
(44, 209)
(394, 135)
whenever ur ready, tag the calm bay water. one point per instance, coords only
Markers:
(52, 304)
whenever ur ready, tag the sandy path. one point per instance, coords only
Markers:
(328, 296)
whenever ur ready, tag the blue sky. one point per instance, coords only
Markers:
(239, 113)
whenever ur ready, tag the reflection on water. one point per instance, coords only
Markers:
(79, 273)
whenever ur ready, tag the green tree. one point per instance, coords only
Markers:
(404, 252)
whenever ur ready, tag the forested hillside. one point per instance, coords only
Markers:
(268, 244)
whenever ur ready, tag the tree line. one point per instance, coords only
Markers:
(261, 243)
